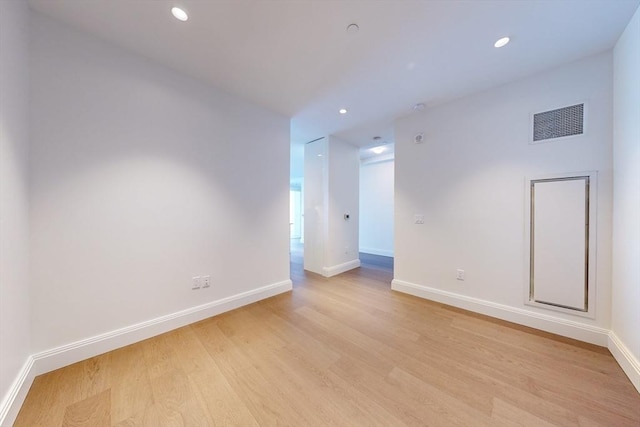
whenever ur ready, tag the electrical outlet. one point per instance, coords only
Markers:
(418, 219)
(206, 281)
(459, 274)
(195, 282)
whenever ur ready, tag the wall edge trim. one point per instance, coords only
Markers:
(627, 361)
(48, 360)
(375, 251)
(14, 398)
(559, 326)
(340, 268)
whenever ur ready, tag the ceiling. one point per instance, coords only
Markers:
(296, 57)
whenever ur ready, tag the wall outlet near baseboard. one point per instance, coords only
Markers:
(459, 274)
(205, 281)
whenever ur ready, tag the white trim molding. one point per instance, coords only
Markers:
(67, 354)
(567, 328)
(340, 268)
(374, 251)
(627, 361)
(12, 402)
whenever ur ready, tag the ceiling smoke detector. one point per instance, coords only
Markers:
(352, 28)
(418, 138)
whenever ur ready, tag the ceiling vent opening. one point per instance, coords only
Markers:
(559, 123)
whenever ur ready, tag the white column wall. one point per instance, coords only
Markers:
(625, 309)
(14, 225)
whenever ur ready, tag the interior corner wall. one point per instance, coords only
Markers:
(376, 207)
(14, 225)
(625, 317)
(468, 180)
(142, 178)
(331, 185)
(344, 187)
(315, 192)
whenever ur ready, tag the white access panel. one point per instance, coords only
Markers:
(559, 239)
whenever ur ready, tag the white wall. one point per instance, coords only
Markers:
(14, 230)
(625, 320)
(467, 178)
(142, 178)
(344, 167)
(315, 188)
(330, 191)
(376, 207)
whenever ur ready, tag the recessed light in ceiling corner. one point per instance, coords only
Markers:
(179, 14)
(378, 150)
(342, 111)
(502, 42)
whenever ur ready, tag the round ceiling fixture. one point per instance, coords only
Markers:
(502, 42)
(352, 28)
(418, 107)
(342, 111)
(179, 14)
(378, 150)
(377, 138)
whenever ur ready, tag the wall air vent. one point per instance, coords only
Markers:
(567, 121)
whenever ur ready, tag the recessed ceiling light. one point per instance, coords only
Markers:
(418, 107)
(502, 42)
(179, 14)
(378, 150)
(342, 111)
(353, 28)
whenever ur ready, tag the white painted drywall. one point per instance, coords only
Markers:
(467, 179)
(625, 310)
(344, 167)
(315, 188)
(376, 207)
(330, 191)
(142, 178)
(14, 224)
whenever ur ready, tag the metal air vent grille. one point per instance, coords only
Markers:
(558, 123)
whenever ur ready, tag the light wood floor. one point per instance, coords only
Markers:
(345, 351)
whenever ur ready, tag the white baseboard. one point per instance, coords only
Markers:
(65, 355)
(567, 328)
(374, 251)
(340, 268)
(12, 402)
(627, 361)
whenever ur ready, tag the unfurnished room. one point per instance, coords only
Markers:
(319, 212)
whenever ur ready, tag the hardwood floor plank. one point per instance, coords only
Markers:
(131, 392)
(506, 412)
(265, 401)
(345, 351)
(92, 411)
